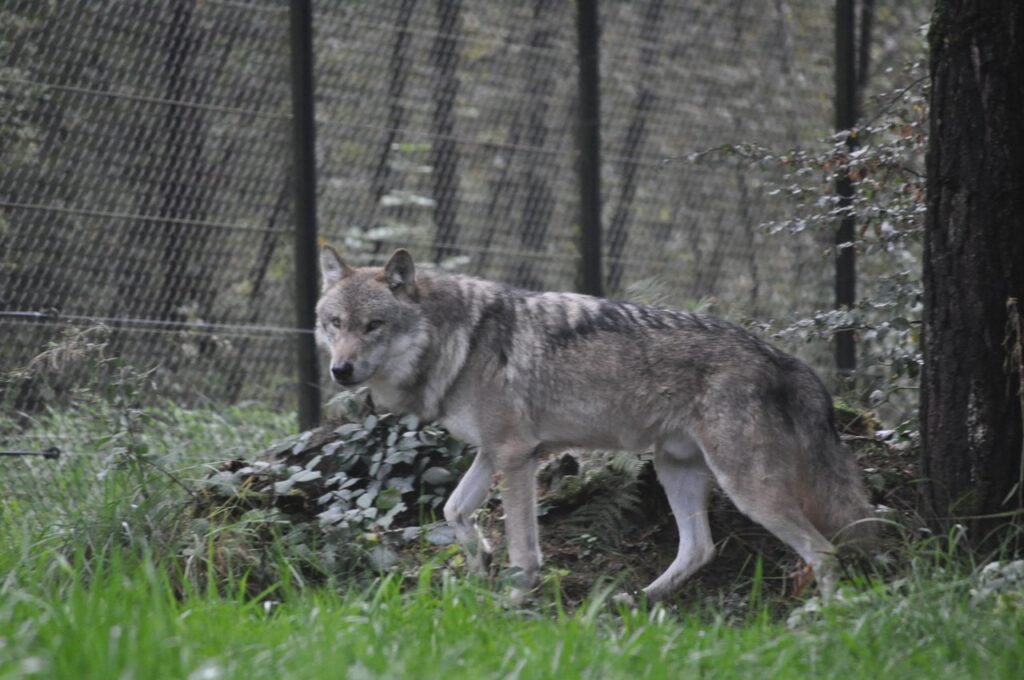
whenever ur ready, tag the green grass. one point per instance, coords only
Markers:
(108, 451)
(126, 621)
(103, 595)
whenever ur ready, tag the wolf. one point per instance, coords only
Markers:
(521, 374)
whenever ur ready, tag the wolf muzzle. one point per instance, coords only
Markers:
(342, 373)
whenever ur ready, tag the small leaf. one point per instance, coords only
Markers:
(441, 534)
(409, 443)
(300, 445)
(382, 558)
(400, 457)
(331, 515)
(304, 476)
(390, 515)
(347, 429)
(280, 446)
(402, 484)
(388, 498)
(436, 476)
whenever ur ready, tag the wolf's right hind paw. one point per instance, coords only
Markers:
(627, 600)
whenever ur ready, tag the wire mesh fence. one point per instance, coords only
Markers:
(456, 137)
(145, 198)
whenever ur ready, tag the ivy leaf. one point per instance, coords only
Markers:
(388, 498)
(389, 516)
(300, 445)
(366, 500)
(408, 443)
(347, 429)
(305, 476)
(280, 446)
(436, 476)
(396, 457)
(329, 449)
(401, 484)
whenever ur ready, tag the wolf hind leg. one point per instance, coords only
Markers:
(773, 501)
(687, 482)
(794, 529)
(468, 496)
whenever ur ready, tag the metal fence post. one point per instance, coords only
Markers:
(588, 142)
(845, 118)
(304, 193)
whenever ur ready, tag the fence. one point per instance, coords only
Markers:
(146, 204)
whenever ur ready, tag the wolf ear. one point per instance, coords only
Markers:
(400, 272)
(332, 267)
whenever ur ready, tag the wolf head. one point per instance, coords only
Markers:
(368, 318)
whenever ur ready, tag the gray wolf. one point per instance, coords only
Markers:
(520, 374)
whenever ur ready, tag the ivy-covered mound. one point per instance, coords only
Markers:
(345, 485)
(365, 493)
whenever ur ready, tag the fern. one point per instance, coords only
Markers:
(607, 497)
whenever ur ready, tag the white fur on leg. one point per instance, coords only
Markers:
(466, 499)
(519, 497)
(687, 483)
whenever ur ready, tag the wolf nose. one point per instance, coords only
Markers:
(342, 371)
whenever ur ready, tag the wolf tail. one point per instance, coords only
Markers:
(844, 514)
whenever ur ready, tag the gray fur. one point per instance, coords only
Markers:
(518, 373)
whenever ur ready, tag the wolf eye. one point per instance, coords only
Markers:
(374, 325)
(335, 321)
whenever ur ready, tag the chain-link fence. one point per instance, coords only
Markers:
(454, 134)
(146, 216)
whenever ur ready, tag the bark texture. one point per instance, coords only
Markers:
(974, 261)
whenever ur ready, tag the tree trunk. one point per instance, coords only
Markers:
(973, 263)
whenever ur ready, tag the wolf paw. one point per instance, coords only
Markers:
(627, 600)
(479, 563)
(479, 556)
(521, 584)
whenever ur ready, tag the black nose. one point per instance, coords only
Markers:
(342, 372)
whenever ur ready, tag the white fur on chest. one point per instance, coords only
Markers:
(386, 396)
(463, 423)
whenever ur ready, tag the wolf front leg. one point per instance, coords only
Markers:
(467, 498)
(518, 466)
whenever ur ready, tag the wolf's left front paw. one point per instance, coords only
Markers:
(521, 582)
(479, 556)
